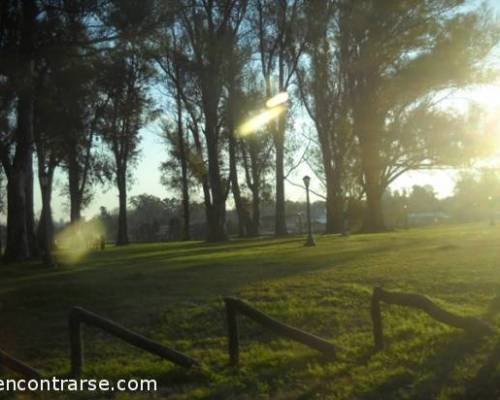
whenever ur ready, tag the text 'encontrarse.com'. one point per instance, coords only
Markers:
(77, 385)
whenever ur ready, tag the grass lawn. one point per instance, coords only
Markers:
(172, 292)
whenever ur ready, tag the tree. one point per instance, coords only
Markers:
(237, 59)
(400, 57)
(476, 193)
(60, 87)
(125, 75)
(172, 63)
(323, 90)
(210, 27)
(280, 44)
(254, 152)
(422, 199)
(49, 129)
(18, 29)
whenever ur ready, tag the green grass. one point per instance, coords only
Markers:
(172, 292)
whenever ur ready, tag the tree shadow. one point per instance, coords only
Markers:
(436, 369)
(486, 383)
(493, 307)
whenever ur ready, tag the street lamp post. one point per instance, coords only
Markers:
(492, 213)
(406, 215)
(310, 240)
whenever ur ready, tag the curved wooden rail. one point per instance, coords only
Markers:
(234, 306)
(79, 315)
(469, 324)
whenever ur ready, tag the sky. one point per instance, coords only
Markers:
(153, 152)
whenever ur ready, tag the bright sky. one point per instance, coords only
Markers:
(154, 152)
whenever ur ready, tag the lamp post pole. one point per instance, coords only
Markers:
(310, 240)
(406, 215)
(492, 214)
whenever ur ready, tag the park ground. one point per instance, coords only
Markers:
(172, 292)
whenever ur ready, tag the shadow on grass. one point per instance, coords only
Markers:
(486, 383)
(493, 307)
(436, 370)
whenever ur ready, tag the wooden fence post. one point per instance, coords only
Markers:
(232, 333)
(469, 324)
(234, 306)
(378, 332)
(79, 316)
(75, 341)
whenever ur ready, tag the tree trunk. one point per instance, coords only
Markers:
(18, 240)
(255, 186)
(255, 223)
(45, 232)
(185, 190)
(30, 212)
(235, 188)
(18, 245)
(122, 237)
(184, 169)
(17, 248)
(373, 220)
(75, 195)
(334, 209)
(368, 125)
(280, 228)
(217, 225)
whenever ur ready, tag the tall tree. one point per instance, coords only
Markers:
(48, 136)
(210, 26)
(280, 40)
(18, 30)
(322, 85)
(61, 76)
(237, 60)
(400, 57)
(126, 73)
(254, 152)
(172, 63)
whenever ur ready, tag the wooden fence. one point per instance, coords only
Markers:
(79, 315)
(235, 306)
(470, 324)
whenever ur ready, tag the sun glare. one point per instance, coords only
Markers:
(257, 122)
(77, 240)
(280, 98)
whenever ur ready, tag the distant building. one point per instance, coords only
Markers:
(427, 218)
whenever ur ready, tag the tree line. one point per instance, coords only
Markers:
(80, 79)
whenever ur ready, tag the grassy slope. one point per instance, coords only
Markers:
(172, 293)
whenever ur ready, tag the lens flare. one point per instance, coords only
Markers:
(77, 240)
(260, 120)
(280, 98)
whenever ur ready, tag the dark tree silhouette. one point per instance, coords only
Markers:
(124, 85)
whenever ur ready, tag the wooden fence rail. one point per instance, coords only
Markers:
(78, 316)
(17, 366)
(235, 306)
(470, 324)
